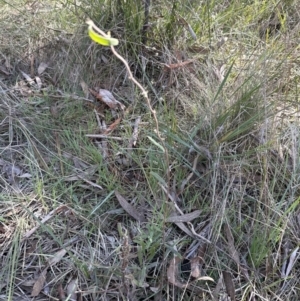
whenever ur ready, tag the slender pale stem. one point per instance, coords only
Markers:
(144, 93)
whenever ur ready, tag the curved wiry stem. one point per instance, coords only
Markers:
(144, 93)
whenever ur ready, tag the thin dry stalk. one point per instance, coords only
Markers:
(144, 93)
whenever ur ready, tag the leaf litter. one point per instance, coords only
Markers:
(40, 282)
(129, 208)
(182, 216)
(107, 97)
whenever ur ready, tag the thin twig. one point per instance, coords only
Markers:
(144, 93)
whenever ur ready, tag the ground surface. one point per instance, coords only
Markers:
(198, 200)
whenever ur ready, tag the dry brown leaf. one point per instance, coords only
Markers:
(112, 127)
(129, 208)
(195, 267)
(233, 251)
(71, 290)
(85, 88)
(42, 67)
(184, 218)
(173, 273)
(57, 257)
(39, 284)
(289, 261)
(107, 97)
(229, 285)
(38, 83)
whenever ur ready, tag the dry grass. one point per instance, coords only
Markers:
(104, 219)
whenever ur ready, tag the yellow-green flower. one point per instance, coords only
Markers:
(100, 39)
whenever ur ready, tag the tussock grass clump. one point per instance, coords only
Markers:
(98, 203)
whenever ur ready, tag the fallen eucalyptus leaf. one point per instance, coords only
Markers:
(129, 208)
(39, 284)
(183, 218)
